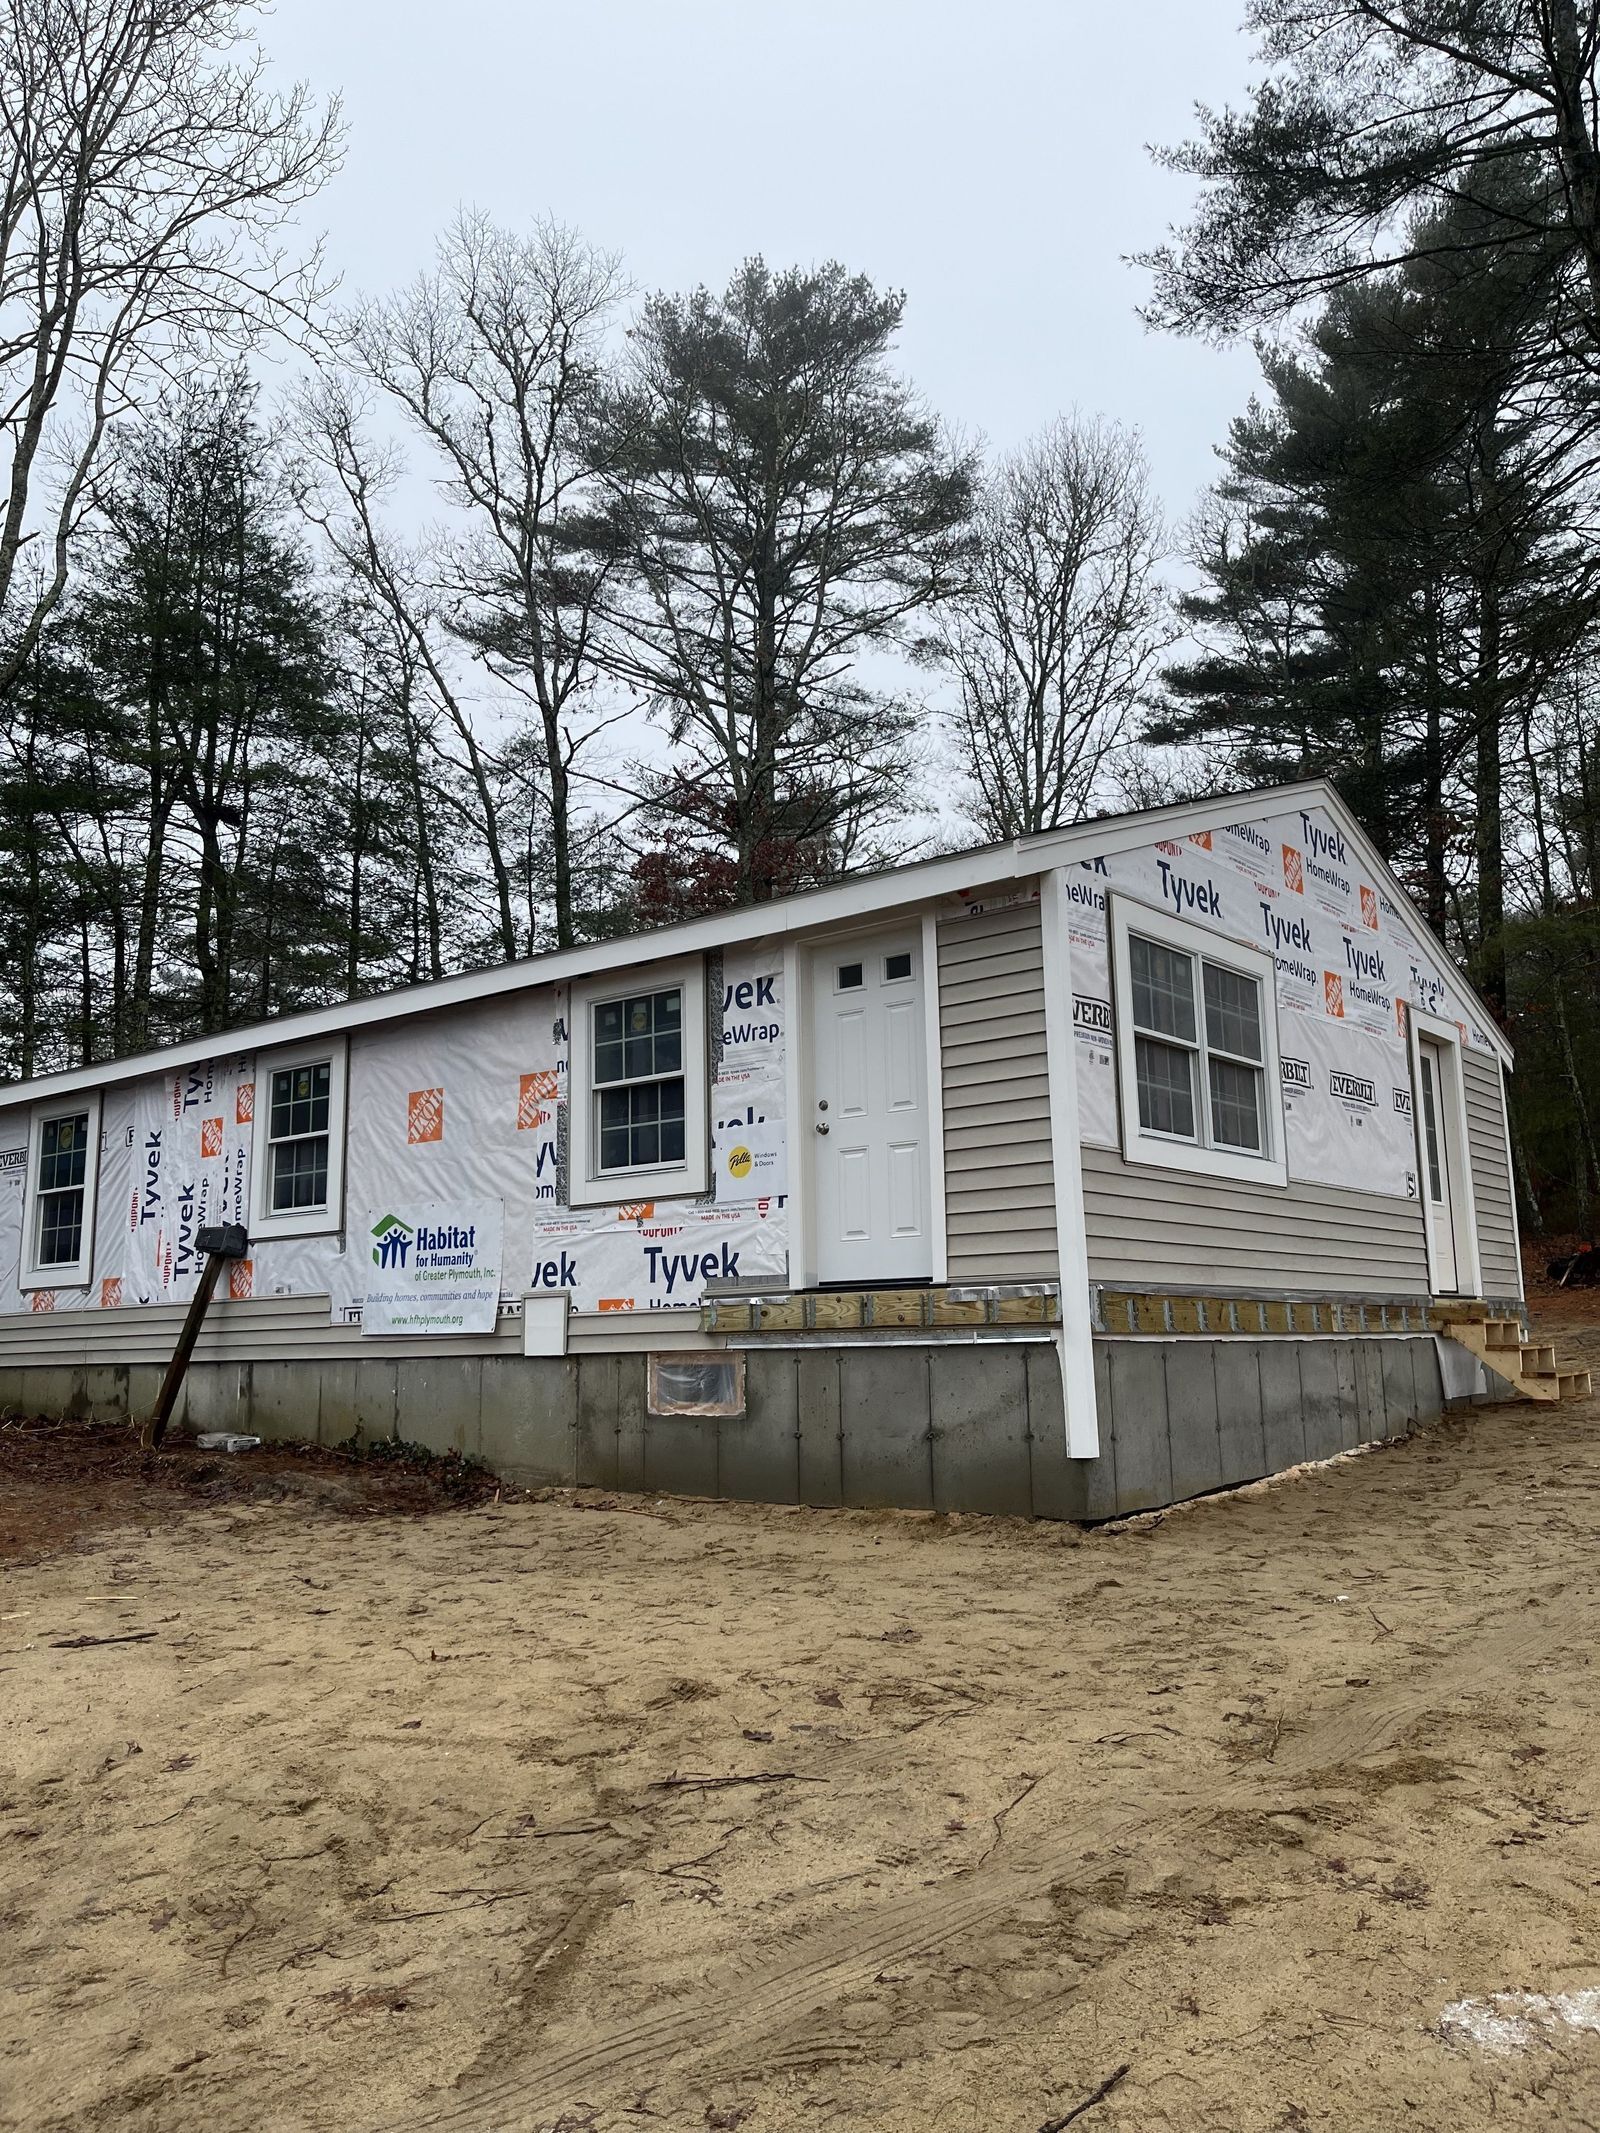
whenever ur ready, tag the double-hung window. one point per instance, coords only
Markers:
(638, 1101)
(1197, 1048)
(63, 1166)
(297, 1154)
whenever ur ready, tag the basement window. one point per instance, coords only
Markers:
(684, 1383)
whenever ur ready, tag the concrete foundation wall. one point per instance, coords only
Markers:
(925, 1428)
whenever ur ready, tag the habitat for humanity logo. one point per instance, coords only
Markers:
(391, 1241)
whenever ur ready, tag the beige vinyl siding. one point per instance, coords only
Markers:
(1151, 1228)
(1491, 1179)
(275, 1329)
(999, 1186)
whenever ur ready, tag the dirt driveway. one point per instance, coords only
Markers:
(597, 1814)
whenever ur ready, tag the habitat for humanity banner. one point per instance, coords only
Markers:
(435, 1267)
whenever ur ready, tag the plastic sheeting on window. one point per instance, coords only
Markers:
(696, 1385)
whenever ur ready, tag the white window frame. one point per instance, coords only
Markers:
(587, 1185)
(265, 1221)
(78, 1273)
(1270, 1167)
(1451, 1098)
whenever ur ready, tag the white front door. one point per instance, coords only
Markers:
(869, 1112)
(1438, 1197)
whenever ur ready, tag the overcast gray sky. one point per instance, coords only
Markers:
(987, 156)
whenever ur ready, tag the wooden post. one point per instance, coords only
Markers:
(226, 1242)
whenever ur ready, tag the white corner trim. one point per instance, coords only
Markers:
(265, 1225)
(1075, 1342)
(935, 1096)
(1457, 1149)
(1511, 1183)
(587, 1185)
(1127, 914)
(797, 1105)
(79, 1273)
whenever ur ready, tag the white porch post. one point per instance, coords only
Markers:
(1075, 1341)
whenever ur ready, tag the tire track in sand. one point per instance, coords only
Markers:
(741, 2004)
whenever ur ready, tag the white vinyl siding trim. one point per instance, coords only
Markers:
(590, 1186)
(1499, 1262)
(1127, 920)
(74, 1273)
(999, 1180)
(266, 1221)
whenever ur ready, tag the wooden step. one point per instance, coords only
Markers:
(1574, 1385)
(1503, 1332)
(1538, 1359)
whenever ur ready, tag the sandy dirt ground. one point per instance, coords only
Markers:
(591, 1814)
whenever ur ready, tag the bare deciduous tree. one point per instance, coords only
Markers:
(496, 358)
(1053, 637)
(146, 172)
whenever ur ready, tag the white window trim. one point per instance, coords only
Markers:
(1127, 915)
(587, 1186)
(266, 1224)
(1457, 1148)
(79, 1273)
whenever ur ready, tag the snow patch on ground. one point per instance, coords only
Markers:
(1508, 2022)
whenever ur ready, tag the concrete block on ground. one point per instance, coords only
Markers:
(1139, 1415)
(1282, 1423)
(821, 1454)
(377, 1397)
(884, 1420)
(1319, 1399)
(528, 1418)
(437, 1402)
(1241, 1439)
(758, 1453)
(979, 1416)
(1192, 1426)
(283, 1402)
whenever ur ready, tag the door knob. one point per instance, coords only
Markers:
(822, 1129)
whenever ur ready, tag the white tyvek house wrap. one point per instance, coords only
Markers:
(185, 1148)
(658, 1255)
(1346, 964)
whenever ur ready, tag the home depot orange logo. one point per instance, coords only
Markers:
(210, 1138)
(1294, 873)
(42, 1300)
(1400, 1015)
(1369, 907)
(425, 1115)
(244, 1103)
(1201, 838)
(534, 1091)
(241, 1279)
(616, 1303)
(111, 1293)
(1333, 993)
(637, 1211)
